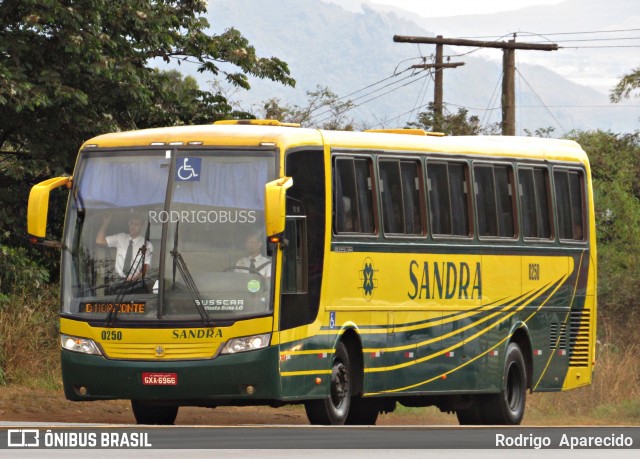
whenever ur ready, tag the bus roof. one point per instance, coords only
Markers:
(287, 136)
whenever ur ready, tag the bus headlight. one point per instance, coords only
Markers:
(246, 343)
(82, 345)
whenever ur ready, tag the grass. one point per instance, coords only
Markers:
(30, 357)
(613, 397)
(29, 351)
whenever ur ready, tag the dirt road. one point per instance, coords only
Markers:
(40, 405)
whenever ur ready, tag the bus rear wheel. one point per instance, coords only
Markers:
(334, 409)
(150, 414)
(507, 407)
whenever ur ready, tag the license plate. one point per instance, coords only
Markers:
(160, 379)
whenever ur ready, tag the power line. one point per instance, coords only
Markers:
(540, 99)
(553, 33)
(314, 119)
(394, 75)
(597, 39)
(603, 46)
(422, 94)
(368, 100)
(492, 102)
(545, 106)
(591, 31)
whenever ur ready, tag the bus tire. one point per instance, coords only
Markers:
(153, 414)
(508, 406)
(470, 415)
(363, 412)
(334, 409)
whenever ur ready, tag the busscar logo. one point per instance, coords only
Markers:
(368, 280)
(23, 438)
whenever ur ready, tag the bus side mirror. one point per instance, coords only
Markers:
(275, 202)
(38, 208)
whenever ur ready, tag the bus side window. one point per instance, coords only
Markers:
(391, 197)
(364, 188)
(400, 187)
(570, 204)
(494, 200)
(458, 192)
(411, 173)
(353, 196)
(534, 201)
(448, 203)
(345, 196)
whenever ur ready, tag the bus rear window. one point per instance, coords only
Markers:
(570, 204)
(534, 202)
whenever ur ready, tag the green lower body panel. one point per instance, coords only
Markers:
(225, 378)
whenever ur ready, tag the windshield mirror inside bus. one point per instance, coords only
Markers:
(166, 234)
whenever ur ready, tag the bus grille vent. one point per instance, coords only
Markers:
(580, 328)
(558, 336)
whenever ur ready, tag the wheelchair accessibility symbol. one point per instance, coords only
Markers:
(188, 169)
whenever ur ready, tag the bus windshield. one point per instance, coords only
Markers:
(168, 235)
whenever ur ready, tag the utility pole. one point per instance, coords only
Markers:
(438, 99)
(508, 67)
(509, 91)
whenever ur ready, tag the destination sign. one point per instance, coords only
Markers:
(122, 308)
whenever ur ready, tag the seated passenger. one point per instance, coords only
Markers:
(254, 260)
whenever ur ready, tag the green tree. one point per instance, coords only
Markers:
(71, 69)
(615, 165)
(628, 84)
(459, 123)
(541, 132)
(324, 110)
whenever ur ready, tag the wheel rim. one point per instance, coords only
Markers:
(514, 387)
(339, 388)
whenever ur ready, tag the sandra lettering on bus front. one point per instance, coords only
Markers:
(159, 379)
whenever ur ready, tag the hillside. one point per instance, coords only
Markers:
(347, 50)
(584, 58)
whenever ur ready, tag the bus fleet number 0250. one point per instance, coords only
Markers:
(111, 335)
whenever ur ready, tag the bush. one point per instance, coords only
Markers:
(18, 272)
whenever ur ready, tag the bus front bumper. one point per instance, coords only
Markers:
(243, 378)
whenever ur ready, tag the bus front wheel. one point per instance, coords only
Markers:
(146, 413)
(334, 409)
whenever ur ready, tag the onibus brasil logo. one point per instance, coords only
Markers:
(368, 280)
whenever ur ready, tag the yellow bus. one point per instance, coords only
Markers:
(260, 263)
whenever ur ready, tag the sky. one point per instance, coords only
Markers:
(462, 7)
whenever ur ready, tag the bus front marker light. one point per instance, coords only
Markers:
(251, 390)
(82, 390)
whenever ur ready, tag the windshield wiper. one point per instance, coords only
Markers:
(178, 262)
(127, 283)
